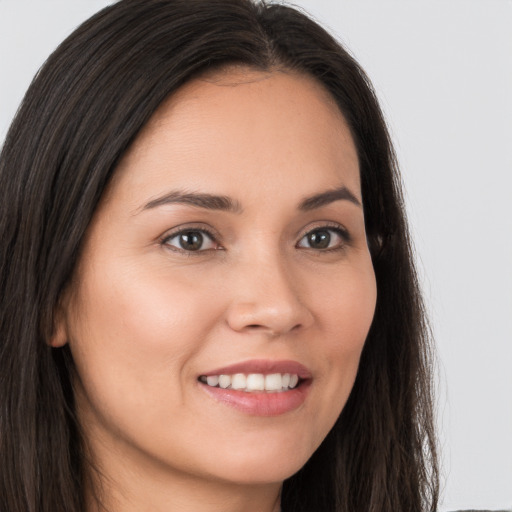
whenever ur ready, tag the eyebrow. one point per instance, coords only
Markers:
(328, 197)
(201, 200)
(225, 203)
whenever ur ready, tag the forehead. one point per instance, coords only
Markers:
(234, 84)
(244, 127)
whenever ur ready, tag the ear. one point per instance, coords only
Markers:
(59, 336)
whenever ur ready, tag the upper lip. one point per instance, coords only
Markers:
(263, 366)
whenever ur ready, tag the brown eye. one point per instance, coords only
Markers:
(319, 239)
(323, 238)
(191, 240)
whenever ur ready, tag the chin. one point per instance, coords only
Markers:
(261, 474)
(261, 464)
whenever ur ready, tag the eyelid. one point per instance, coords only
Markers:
(208, 231)
(341, 230)
(324, 224)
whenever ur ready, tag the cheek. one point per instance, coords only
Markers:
(141, 309)
(133, 333)
(345, 313)
(133, 337)
(347, 306)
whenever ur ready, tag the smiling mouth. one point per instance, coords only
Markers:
(254, 382)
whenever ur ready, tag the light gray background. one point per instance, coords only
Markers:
(443, 72)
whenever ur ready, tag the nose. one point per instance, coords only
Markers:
(267, 299)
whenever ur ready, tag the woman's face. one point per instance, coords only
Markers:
(231, 242)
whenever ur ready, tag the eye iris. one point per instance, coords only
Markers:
(319, 239)
(191, 240)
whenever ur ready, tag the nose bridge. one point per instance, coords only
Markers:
(267, 295)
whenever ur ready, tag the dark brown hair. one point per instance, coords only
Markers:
(83, 110)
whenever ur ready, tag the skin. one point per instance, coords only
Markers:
(144, 317)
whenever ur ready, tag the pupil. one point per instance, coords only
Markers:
(320, 239)
(191, 240)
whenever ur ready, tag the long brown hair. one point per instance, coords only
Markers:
(81, 113)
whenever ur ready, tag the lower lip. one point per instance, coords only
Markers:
(259, 403)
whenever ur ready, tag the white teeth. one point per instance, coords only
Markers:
(212, 380)
(274, 382)
(224, 381)
(239, 381)
(255, 382)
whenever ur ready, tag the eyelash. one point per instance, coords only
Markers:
(331, 228)
(190, 229)
(340, 231)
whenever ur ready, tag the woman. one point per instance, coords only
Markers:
(208, 297)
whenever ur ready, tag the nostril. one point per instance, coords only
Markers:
(272, 332)
(274, 318)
